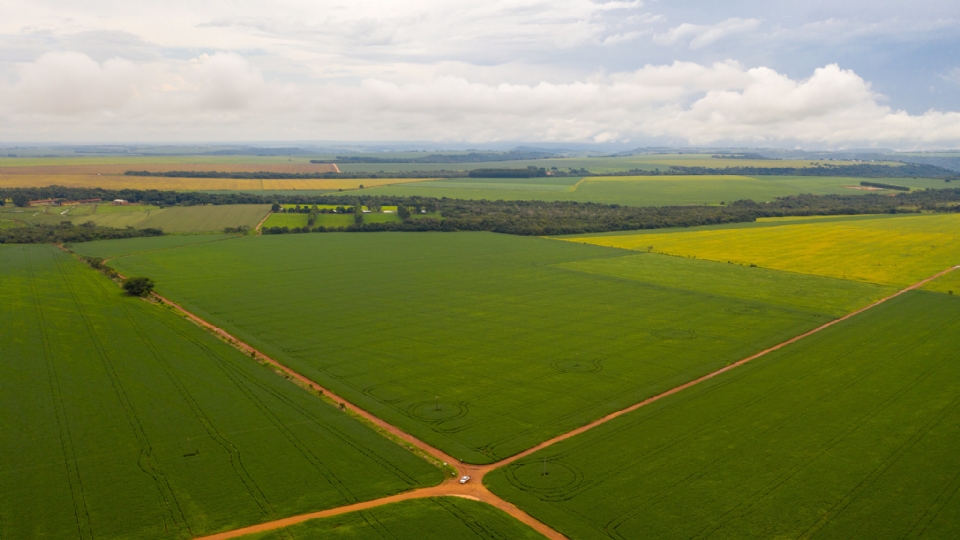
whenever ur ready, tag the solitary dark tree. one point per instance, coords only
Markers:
(358, 215)
(276, 207)
(138, 286)
(403, 212)
(20, 199)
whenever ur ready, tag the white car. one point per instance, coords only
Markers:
(465, 479)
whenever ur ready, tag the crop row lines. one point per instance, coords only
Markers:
(476, 489)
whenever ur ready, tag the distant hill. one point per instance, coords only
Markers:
(472, 157)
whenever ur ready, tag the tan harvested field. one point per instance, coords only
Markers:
(120, 168)
(190, 184)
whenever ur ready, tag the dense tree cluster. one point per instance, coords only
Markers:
(880, 185)
(68, 232)
(529, 172)
(138, 286)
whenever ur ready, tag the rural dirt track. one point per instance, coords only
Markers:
(474, 489)
(262, 221)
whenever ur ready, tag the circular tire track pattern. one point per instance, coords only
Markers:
(550, 481)
(746, 309)
(674, 333)
(433, 412)
(577, 366)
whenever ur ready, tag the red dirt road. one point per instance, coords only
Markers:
(474, 489)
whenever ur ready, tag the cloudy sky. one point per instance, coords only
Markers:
(814, 74)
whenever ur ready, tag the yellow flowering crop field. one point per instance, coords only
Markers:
(949, 284)
(895, 250)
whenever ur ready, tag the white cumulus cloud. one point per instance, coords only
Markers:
(209, 95)
(699, 35)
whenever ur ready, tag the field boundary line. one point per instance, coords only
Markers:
(474, 489)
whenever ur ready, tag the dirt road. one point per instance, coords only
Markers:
(474, 489)
(262, 221)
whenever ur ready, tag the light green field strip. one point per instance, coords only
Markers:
(119, 419)
(799, 291)
(641, 190)
(287, 220)
(189, 218)
(120, 209)
(949, 284)
(440, 518)
(882, 250)
(516, 347)
(174, 219)
(851, 433)
(108, 249)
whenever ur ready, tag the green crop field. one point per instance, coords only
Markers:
(518, 338)
(851, 433)
(439, 518)
(286, 220)
(120, 209)
(175, 219)
(119, 419)
(638, 190)
(107, 249)
(949, 284)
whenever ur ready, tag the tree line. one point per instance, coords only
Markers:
(880, 185)
(67, 232)
(554, 218)
(509, 217)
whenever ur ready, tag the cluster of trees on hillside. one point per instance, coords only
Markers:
(529, 172)
(67, 232)
(881, 185)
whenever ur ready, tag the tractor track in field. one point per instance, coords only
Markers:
(474, 489)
